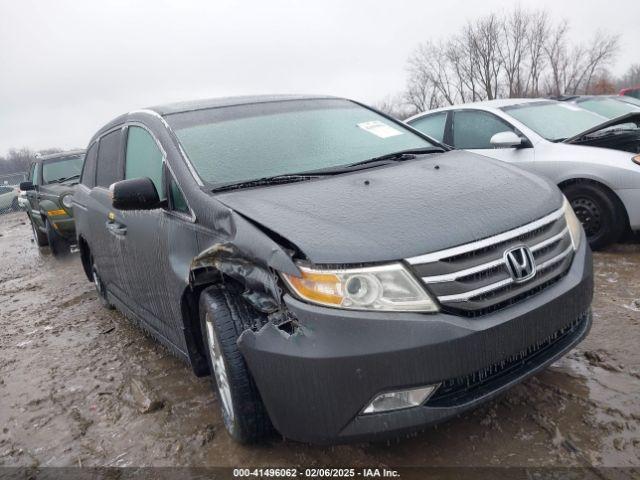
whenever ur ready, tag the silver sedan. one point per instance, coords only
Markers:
(594, 160)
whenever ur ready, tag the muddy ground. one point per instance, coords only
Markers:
(73, 376)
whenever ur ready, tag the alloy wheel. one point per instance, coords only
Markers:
(219, 370)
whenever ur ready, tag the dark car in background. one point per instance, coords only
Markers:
(340, 275)
(49, 189)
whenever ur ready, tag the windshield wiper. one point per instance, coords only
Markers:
(64, 179)
(275, 180)
(375, 161)
(312, 174)
(401, 155)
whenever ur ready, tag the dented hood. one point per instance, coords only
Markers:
(398, 211)
(627, 118)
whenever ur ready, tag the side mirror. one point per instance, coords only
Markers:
(135, 194)
(26, 186)
(506, 140)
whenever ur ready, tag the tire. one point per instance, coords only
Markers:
(223, 317)
(58, 245)
(39, 237)
(100, 288)
(601, 214)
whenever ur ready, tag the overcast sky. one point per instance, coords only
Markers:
(67, 67)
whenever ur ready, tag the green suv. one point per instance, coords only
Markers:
(49, 190)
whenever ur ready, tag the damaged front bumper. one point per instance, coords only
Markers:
(316, 382)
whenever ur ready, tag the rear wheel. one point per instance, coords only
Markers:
(59, 246)
(223, 317)
(39, 237)
(599, 212)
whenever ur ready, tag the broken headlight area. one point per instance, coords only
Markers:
(381, 288)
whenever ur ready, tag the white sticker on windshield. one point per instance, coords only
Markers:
(379, 129)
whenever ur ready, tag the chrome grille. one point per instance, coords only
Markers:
(473, 279)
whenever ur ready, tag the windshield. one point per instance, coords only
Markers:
(608, 107)
(631, 100)
(248, 142)
(554, 121)
(61, 168)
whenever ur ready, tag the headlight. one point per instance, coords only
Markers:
(575, 227)
(66, 201)
(383, 288)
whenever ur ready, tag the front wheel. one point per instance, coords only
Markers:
(222, 320)
(39, 237)
(58, 245)
(599, 212)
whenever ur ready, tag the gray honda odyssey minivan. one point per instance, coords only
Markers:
(340, 275)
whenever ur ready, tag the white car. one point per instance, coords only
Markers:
(8, 198)
(609, 106)
(556, 140)
(23, 201)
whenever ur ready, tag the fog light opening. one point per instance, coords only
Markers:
(399, 400)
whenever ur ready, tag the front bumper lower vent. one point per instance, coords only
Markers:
(457, 391)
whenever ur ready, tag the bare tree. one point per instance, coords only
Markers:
(484, 37)
(430, 76)
(631, 78)
(535, 36)
(555, 49)
(601, 53)
(513, 49)
(573, 68)
(521, 53)
(18, 160)
(395, 106)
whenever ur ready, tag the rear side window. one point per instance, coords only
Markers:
(89, 170)
(432, 125)
(143, 158)
(109, 168)
(473, 129)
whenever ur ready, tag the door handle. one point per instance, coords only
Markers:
(117, 228)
